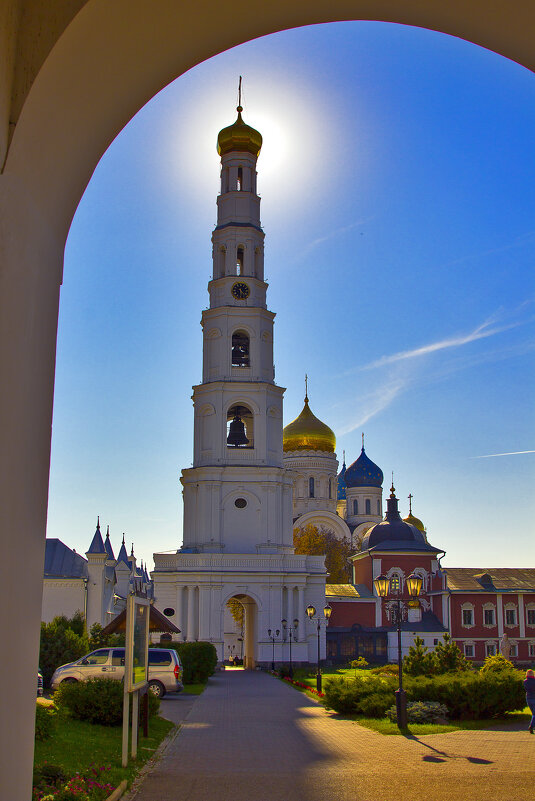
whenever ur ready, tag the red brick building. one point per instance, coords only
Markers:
(477, 607)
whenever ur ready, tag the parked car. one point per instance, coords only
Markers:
(165, 669)
(39, 684)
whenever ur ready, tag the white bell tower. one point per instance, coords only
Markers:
(238, 537)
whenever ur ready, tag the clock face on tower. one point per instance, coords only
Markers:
(240, 290)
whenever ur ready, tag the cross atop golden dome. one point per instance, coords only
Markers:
(308, 433)
(239, 136)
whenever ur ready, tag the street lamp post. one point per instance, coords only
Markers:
(311, 611)
(292, 634)
(384, 590)
(272, 636)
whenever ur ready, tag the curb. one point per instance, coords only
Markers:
(117, 793)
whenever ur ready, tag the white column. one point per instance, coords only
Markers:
(499, 613)
(204, 613)
(300, 614)
(290, 604)
(521, 615)
(190, 633)
(180, 616)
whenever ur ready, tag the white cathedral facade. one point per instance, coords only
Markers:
(238, 504)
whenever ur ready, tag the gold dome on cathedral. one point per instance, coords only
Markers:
(239, 136)
(414, 521)
(307, 433)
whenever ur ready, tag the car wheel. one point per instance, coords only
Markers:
(157, 689)
(69, 680)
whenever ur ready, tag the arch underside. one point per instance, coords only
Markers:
(73, 75)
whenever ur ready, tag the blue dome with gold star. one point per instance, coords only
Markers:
(363, 473)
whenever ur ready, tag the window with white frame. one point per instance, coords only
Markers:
(469, 649)
(395, 583)
(513, 649)
(531, 648)
(467, 615)
(511, 618)
(490, 649)
(530, 615)
(489, 615)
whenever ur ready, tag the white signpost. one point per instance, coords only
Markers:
(135, 666)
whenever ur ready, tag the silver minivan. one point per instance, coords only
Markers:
(165, 669)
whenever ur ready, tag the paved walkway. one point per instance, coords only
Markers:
(250, 737)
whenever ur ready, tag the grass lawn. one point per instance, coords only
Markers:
(384, 726)
(75, 745)
(194, 689)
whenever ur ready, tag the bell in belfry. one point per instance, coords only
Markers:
(236, 435)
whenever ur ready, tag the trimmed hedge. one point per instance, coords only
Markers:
(199, 660)
(97, 701)
(465, 694)
(45, 722)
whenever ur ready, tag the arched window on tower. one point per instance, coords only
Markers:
(239, 261)
(257, 263)
(311, 487)
(368, 506)
(240, 349)
(330, 488)
(355, 507)
(239, 182)
(379, 508)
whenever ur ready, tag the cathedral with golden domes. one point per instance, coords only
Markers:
(252, 482)
(348, 502)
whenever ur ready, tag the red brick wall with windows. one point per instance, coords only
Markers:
(347, 613)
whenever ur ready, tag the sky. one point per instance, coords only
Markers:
(396, 178)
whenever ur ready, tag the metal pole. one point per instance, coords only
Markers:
(401, 699)
(290, 672)
(273, 654)
(318, 674)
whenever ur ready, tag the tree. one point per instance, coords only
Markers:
(237, 611)
(321, 542)
(60, 644)
(419, 662)
(449, 657)
(97, 639)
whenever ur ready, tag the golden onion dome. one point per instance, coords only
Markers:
(239, 136)
(414, 521)
(307, 433)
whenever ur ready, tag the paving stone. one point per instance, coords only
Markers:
(250, 737)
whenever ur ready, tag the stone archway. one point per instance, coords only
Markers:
(73, 75)
(242, 641)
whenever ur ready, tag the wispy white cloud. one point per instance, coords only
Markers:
(491, 455)
(520, 241)
(332, 235)
(376, 402)
(481, 332)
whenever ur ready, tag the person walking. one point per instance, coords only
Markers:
(529, 686)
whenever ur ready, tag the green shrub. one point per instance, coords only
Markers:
(61, 642)
(361, 695)
(466, 694)
(46, 775)
(470, 694)
(374, 705)
(385, 670)
(97, 639)
(45, 722)
(420, 712)
(496, 663)
(198, 660)
(96, 700)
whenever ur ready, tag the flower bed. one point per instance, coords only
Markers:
(303, 686)
(51, 784)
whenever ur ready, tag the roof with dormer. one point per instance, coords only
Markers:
(494, 579)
